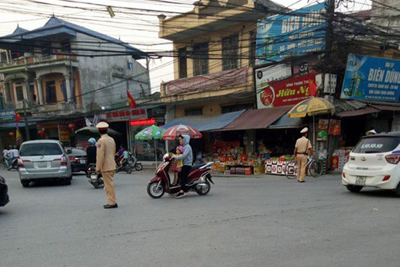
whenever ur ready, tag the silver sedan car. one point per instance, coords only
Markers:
(43, 159)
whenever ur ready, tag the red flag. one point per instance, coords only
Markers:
(131, 100)
(312, 88)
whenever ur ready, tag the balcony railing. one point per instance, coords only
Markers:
(36, 59)
(35, 107)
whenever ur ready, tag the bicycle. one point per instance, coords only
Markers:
(313, 167)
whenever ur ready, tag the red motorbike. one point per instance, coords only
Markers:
(198, 180)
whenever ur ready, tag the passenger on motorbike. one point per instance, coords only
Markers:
(124, 158)
(13, 154)
(91, 152)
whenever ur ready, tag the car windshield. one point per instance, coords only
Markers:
(40, 149)
(377, 144)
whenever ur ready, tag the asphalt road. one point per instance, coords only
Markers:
(269, 221)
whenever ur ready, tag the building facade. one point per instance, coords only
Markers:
(65, 72)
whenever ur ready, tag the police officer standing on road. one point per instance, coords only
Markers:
(302, 149)
(106, 164)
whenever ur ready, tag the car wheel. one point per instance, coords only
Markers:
(25, 183)
(354, 188)
(397, 191)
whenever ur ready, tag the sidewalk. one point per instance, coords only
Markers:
(151, 166)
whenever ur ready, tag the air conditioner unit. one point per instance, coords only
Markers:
(330, 82)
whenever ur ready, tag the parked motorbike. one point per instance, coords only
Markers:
(96, 179)
(198, 180)
(11, 165)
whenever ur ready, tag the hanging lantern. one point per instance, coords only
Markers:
(11, 134)
(71, 126)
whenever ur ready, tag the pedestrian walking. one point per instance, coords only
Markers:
(105, 163)
(302, 149)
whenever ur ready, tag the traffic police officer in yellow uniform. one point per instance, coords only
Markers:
(302, 149)
(105, 163)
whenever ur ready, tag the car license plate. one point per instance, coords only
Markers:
(360, 180)
(42, 164)
(83, 161)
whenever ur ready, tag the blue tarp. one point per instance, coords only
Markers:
(205, 123)
(285, 122)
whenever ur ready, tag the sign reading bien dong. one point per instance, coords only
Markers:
(371, 78)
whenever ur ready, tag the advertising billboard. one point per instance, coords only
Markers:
(371, 78)
(299, 32)
(285, 92)
(263, 76)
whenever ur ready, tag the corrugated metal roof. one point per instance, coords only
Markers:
(256, 119)
(285, 122)
(347, 105)
(359, 112)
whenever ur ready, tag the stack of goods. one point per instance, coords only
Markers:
(278, 165)
(339, 158)
(259, 167)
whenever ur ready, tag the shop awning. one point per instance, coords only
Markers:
(205, 123)
(256, 119)
(386, 107)
(359, 112)
(14, 125)
(285, 122)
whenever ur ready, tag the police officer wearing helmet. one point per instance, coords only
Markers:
(302, 149)
(105, 163)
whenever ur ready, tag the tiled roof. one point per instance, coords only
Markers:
(55, 26)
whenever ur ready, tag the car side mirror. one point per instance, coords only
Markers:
(69, 151)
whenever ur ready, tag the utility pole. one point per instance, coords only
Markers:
(28, 137)
(329, 38)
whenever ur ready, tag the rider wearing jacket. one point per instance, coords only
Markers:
(91, 152)
(187, 158)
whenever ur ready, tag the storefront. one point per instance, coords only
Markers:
(256, 137)
(119, 120)
(64, 132)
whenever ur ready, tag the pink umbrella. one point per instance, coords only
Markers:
(173, 132)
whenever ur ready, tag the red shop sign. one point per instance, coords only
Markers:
(286, 92)
(142, 122)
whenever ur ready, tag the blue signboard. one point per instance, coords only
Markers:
(7, 114)
(299, 32)
(371, 78)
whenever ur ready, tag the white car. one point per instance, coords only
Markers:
(43, 159)
(374, 162)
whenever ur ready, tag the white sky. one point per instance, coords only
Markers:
(140, 30)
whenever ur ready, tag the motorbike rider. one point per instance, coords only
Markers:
(91, 152)
(13, 154)
(187, 158)
(119, 155)
(5, 152)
